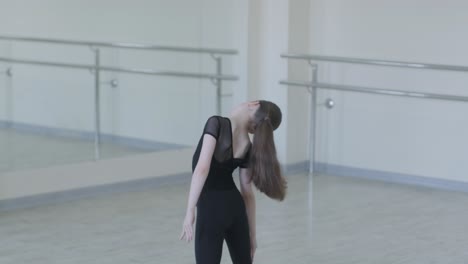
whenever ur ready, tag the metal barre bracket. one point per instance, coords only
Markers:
(312, 63)
(8, 72)
(214, 56)
(113, 83)
(329, 103)
(217, 59)
(214, 81)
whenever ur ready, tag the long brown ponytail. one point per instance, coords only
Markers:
(266, 171)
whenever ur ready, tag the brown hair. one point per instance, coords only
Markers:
(266, 171)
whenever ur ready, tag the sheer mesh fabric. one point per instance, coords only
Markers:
(220, 128)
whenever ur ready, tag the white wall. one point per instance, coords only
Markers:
(147, 107)
(418, 137)
(298, 97)
(268, 37)
(225, 24)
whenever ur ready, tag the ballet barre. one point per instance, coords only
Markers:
(121, 45)
(217, 78)
(362, 89)
(385, 63)
(92, 67)
(314, 84)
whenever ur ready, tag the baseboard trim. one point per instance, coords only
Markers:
(295, 168)
(393, 177)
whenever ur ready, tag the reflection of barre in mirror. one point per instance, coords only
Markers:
(315, 84)
(121, 45)
(217, 77)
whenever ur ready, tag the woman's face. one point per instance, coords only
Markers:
(251, 108)
(247, 108)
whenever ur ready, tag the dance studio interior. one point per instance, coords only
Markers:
(103, 104)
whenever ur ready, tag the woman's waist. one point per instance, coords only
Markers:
(221, 195)
(219, 182)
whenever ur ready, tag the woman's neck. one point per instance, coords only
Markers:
(238, 125)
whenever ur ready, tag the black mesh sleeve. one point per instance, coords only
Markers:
(212, 127)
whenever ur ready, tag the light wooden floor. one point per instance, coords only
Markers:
(350, 221)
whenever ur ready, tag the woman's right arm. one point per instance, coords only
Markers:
(249, 200)
(198, 180)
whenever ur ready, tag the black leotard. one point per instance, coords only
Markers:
(221, 213)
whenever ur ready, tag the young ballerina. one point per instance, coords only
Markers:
(224, 213)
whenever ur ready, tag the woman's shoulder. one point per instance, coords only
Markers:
(218, 119)
(214, 123)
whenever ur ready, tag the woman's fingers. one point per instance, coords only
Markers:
(187, 236)
(187, 227)
(190, 234)
(182, 234)
(187, 233)
(252, 253)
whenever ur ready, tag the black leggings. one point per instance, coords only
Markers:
(221, 215)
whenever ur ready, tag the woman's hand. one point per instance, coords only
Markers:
(253, 247)
(187, 227)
